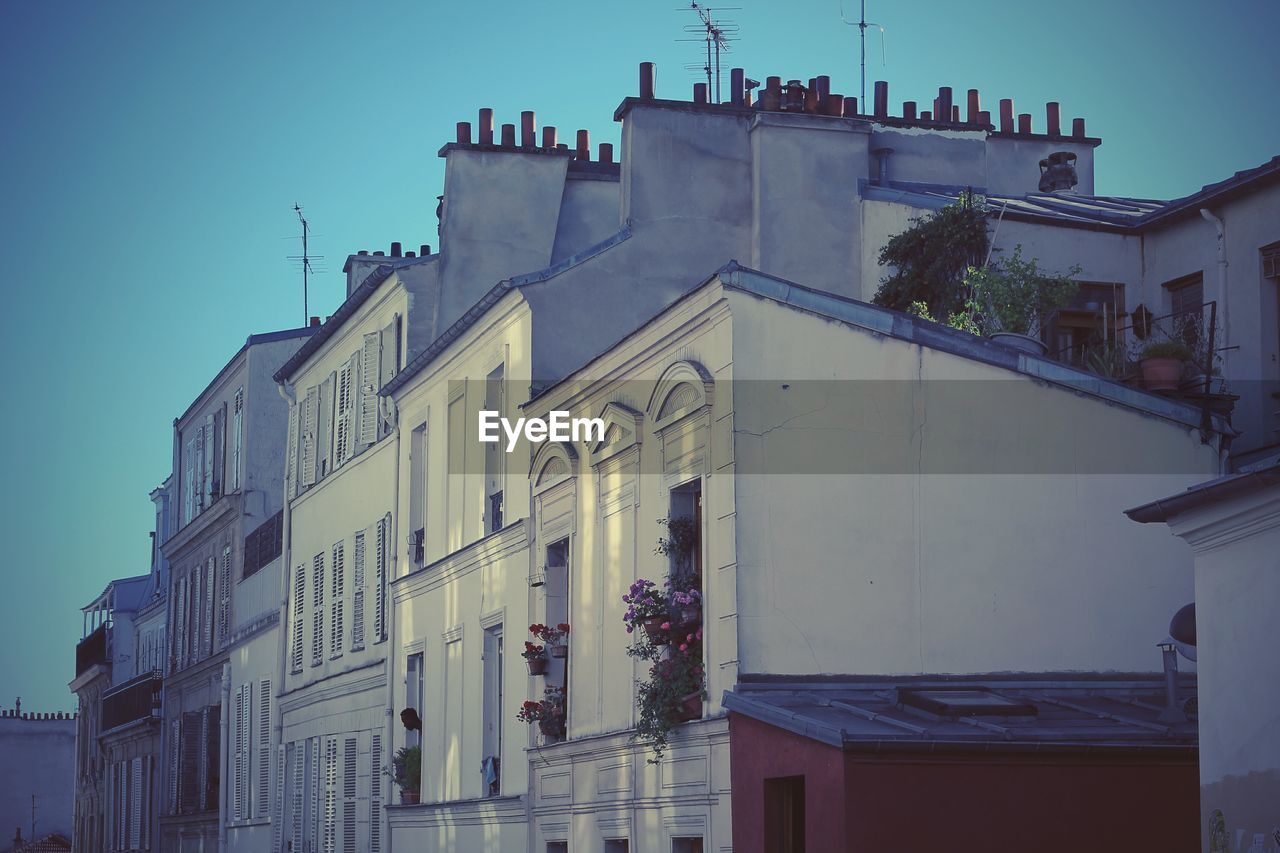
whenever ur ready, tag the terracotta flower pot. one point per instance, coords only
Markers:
(560, 650)
(1022, 343)
(537, 666)
(409, 798)
(653, 630)
(691, 708)
(1161, 374)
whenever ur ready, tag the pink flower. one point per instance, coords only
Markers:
(666, 626)
(684, 647)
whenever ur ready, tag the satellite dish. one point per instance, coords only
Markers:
(1182, 629)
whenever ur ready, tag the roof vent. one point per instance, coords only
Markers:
(1058, 172)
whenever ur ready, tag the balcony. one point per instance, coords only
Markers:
(136, 699)
(93, 650)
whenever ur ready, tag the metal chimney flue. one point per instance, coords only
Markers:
(648, 73)
(485, 129)
(1053, 114)
(528, 129)
(1006, 115)
(464, 133)
(881, 99)
(549, 136)
(737, 87)
(584, 145)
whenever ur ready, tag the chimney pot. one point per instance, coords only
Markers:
(942, 107)
(549, 136)
(1024, 122)
(823, 84)
(737, 87)
(424, 249)
(528, 129)
(606, 152)
(584, 145)
(1006, 115)
(850, 107)
(315, 321)
(909, 110)
(363, 252)
(771, 97)
(464, 133)
(648, 73)
(834, 105)
(1077, 128)
(396, 250)
(927, 115)
(1054, 118)
(975, 107)
(508, 136)
(562, 146)
(882, 98)
(955, 114)
(486, 126)
(699, 93)
(812, 100)
(379, 253)
(408, 254)
(984, 118)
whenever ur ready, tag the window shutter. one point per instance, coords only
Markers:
(299, 790)
(189, 479)
(263, 799)
(390, 352)
(206, 465)
(237, 771)
(224, 599)
(343, 443)
(190, 767)
(380, 592)
(277, 802)
(370, 367)
(299, 609)
(375, 793)
(210, 578)
(349, 759)
(175, 744)
(237, 439)
(202, 759)
(291, 454)
(336, 628)
(180, 629)
(330, 794)
(148, 796)
(120, 785)
(324, 430)
(317, 614)
(310, 411)
(357, 594)
(317, 777)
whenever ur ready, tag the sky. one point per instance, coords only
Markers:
(151, 155)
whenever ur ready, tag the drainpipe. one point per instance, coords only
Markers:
(222, 757)
(290, 396)
(393, 642)
(1222, 285)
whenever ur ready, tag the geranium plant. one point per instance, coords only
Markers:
(679, 543)
(548, 713)
(533, 651)
(672, 694)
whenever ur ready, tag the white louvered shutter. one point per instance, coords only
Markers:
(357, 593)
(343, 444)
(336, 627)
(317, 778)
(375, 793)
(330, 794)
(206, 465)
(299, 612)
(175, 745)
(180, 630)
(195, 583)
(210, 579)
(350, 757)
(237, 761)
(291, 454)
(380, 580)
(370, 360)
(277, 802)
(297, 803)
(189, 470)
(317, 613)
(263, 787)
(224, 597)
(135, 804)
(324, 427)
(310, 407)
(237, 439)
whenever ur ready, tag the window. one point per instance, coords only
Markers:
(264, 544)
(686, 845)
(784, 815)
(557, 847)
(686, 507)
(617, 845)
(242, 746)
(418, 493)
(199, 486)
(494, 452)
(1271, 261)
(491, 766)
(557, 609)
(1186, 305)
(413, 694)
(1078, 332)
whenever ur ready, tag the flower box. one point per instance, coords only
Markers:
(537, 666)
(690, 708)
(560, 650)
(654, 631)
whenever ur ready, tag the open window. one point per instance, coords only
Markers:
(491, 765)
(494, 452)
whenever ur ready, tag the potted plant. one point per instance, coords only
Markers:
(548, 713)
(672, 694)
(552, 637)
(1162, 363)
(536, 657)
(647, 608)
(1017, 299)
(407, 773)
(688, 603)
(679, 543)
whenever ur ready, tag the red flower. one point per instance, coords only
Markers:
(563, 627)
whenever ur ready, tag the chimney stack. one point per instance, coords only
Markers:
(1053, 115)
(984, 118)
(648, 71)
(1006, 115)
(955, 114)
(823, 84)
(850, 107)
(834, 105)
(315, 321)
(528, 129)
(942, 107)
(584, 145)
(424, 250)
(909, 110)
(486, 126)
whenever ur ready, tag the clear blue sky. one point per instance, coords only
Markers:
(150, 155)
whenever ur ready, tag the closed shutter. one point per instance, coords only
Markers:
(207, 463)
(343, 416)
(190, 766)
(336, 627)
(357, 594)
(291, 454)
(211, 755)
(317, 778)
(299, 611)
(120, 794)
(370, 366)
(171, 641)
(180, 632)
(210, 580)
(263, 787)
(375, 793)
(324, 427)
(175, 747)
(148, 800)
(349, 759)
(189, 480)
(390, 352)
(237, 439)
(200, 759)
(380, 581)
(224, 598)
(309, 415)
(277, 802)
(297, 801)
(317, 613)
(330, 834)
(237, 768)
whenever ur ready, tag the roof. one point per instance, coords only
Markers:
(128, 594)
(1043, 712)
(1206, 493)
(252, 340)
(1114, 213)
(54, 843)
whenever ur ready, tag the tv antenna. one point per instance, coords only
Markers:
(716, 35)
(862, 23)
(305, 260)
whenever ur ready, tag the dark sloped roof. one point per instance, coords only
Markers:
(331, 326)
(1210, 491)
(1058, 711)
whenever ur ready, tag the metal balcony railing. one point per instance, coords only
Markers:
(93, 650)
(136, 699)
